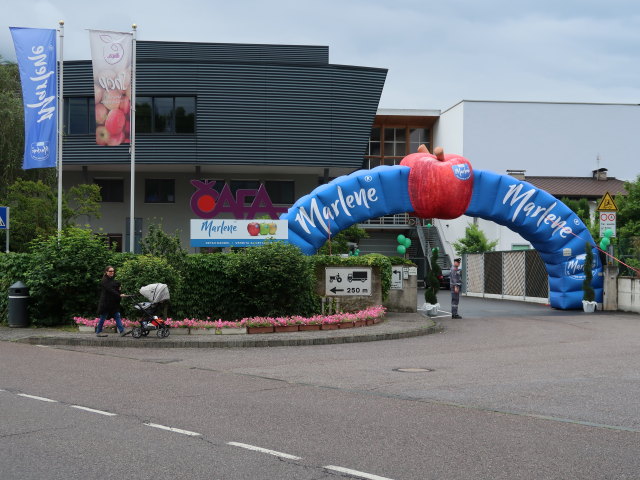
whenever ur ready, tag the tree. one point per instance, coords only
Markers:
(433, 284)
(474, 241)
(628, 231)
(34, 209)
(12, 133)
(160, 244)
(340, 242)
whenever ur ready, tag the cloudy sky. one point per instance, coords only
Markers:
(438, 52)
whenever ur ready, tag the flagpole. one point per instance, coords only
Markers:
(132, 137)
(60, 122)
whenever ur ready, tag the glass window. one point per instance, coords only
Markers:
(236, 185)
(374, 142)
(111, 189)
(163, 114)
(417, 137)
(394, 142)
(280, 192)
(143, 114)
(158, 190)
(185, 114)
(79, 115)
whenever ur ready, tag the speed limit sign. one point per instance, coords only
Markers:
(607, 222)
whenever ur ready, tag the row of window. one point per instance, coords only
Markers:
(167, 115)
(396, 142)
(163, 190)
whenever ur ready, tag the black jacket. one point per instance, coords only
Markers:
(109, 297)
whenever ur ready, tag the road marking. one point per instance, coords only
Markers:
(101, 412)
(264, 450)
(172, 429)
(43, 346)
(355, 473)
(37, 398)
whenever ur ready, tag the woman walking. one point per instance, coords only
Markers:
(109, 304)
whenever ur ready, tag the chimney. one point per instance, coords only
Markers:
(519, 174)
(600, 174)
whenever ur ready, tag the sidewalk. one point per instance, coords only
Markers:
(395, 326)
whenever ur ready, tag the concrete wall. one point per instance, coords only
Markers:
(629, 294)
(405, 299)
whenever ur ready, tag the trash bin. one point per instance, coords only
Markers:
(18, 298)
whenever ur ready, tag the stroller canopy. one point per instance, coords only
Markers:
(155, 292)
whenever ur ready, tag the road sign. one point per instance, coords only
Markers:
(396, 277)
(607, 221)
(607, 204)
(347, 281)
(4, 218)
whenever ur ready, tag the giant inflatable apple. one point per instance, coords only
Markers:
(440, 185)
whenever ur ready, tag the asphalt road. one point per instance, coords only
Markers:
(510, 391)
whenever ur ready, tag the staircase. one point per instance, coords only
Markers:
(430, 238)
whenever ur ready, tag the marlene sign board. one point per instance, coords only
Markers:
(236, 233)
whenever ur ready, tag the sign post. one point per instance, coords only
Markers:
(4, 223)
(607, 214)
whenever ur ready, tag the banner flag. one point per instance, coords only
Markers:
(36, 53)
(111, 54)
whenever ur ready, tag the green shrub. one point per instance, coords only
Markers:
(13, 267)
(64, 276)
(589, 294)
(433, 284)
(142, 270)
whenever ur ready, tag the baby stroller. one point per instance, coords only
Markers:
(156, 293)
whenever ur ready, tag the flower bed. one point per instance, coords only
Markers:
(367, 316)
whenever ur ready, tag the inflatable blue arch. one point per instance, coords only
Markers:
(555, 231)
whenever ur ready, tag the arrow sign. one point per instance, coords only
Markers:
(334, 290)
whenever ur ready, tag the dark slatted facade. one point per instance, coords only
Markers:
(255, 105)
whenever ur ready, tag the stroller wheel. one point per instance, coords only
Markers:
(145, 333)
(165, 332)
(136, 332)
(160, 333)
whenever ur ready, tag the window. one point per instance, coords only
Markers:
(157, 190)
(395, 142)
(79, 116)
(374, 142)
(168, 115)
(417, 137)
(280, 192)
(236, 185)
(111, 189)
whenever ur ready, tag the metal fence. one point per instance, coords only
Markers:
(513, 275)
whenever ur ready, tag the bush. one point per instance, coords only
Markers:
(64, 276)
(433, 284)
(142, 270)
(13, 267)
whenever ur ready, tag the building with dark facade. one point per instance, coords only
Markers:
(244, 115)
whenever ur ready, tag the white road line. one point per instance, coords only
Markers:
(37, 398)
(263, 450)
(100, 412)
(43, 346)
(172, 429)
(355, 473)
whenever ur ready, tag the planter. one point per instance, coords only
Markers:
(86, 329)
(369, 321)
(232, 331)
(589, 307)
(180, 331)
(202, 331)
(286, 328)
(259, 329)
(329, 326)
(345, 325)
(377, 320)
(359, 323)
(308, 328)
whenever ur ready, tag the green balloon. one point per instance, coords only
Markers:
(604, 243)
(401, 238)
(357, 252)
(429, 225)
(407, 242)
(401, 249)
(608, 233)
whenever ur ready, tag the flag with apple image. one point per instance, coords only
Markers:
(111, 54)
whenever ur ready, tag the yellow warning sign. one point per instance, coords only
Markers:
(607, 203)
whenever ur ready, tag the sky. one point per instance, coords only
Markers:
(438, 52)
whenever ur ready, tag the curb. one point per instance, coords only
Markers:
(326, 339)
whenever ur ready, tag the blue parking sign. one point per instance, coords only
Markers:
(4, 218)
